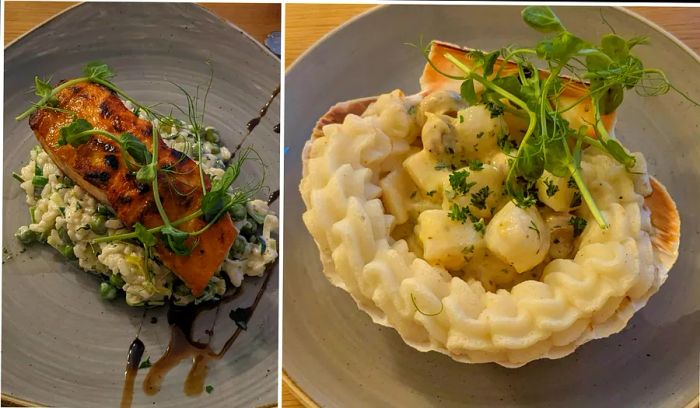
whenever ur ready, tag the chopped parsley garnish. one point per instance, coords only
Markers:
(476, 165)
(209, 389)
(576, 200)
(459, 183)
(478, 199)
(579, 225)
(552, 188)
(533, 227)
(495, 109)
(458, 213)
(146, 363)
(462, 214)
(480, 226)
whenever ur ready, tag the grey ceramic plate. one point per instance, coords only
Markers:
(62, 345)
(338, 357)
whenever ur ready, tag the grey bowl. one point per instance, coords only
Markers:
(62, 345)
(338, 357)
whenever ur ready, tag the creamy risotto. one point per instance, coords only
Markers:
(67, 218)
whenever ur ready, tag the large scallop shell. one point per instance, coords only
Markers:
(665, 219)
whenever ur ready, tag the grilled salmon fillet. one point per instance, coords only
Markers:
(97, 167)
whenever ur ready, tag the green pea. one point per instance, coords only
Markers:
(181, 290)
(116, 280)
(67, 182)
(195, 151)
(67, 251)
(238, 212)
(97, 224)
(63, 233)
(107, 291)
(27, 236)
(211, 135)
(238, 248)
(248, 228)
(103, 209)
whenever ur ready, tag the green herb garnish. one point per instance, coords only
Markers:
(478, 199)
(552, 188)
(459, 183)
(579, 225)
(145, 363)
(413, 299)
(549, 143)
(476, 165)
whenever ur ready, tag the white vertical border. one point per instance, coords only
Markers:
(280, 230)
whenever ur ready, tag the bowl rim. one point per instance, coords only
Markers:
(287, 379)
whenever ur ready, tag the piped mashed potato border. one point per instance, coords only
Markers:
(356, 168)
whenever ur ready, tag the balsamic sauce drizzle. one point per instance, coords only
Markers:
(273, 197)
(181, 320)
(182, 346)
(133, 360)
(253, 123)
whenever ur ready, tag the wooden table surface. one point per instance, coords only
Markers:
(307, 23)
(258, 20)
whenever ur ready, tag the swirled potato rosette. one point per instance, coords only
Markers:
(499, 283)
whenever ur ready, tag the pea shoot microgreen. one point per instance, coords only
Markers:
(143, 162)
(549, 143)
(413, 300)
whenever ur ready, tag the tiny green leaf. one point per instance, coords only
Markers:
(489, 62)
(619, 153)
(42, 88)
(98, 70)
(468, 93)
(175, 239)
(144, 235)
(145, 363)
(459, 183)
(75, 133)
(146, 173)
(579, 225)
(542, 19)
(209, 389)
(611, 99)
(615, 47)
(135, 148)
(40, 181)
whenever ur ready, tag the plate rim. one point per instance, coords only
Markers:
(7, 398)
(287, 379)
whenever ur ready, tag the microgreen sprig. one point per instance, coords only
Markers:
(549, 143)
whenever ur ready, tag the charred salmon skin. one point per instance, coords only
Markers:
(97, 167)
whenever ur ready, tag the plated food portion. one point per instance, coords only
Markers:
(494, 216)
(144, 200)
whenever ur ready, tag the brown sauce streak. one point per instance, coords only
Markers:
(132, 366)
(253, 123)
(182, 347)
